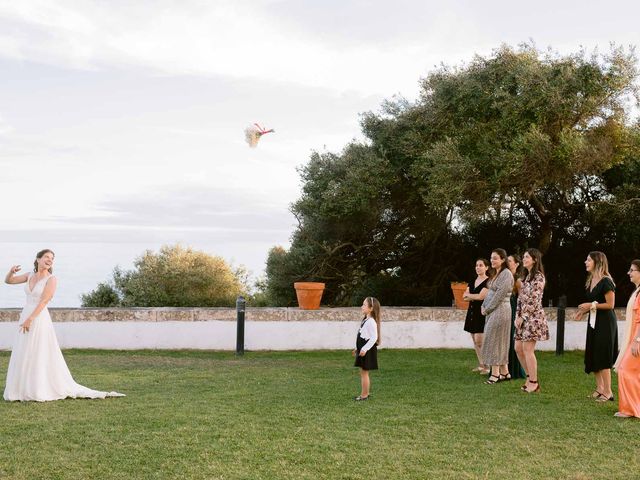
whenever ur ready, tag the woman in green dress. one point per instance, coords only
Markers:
(515, 266)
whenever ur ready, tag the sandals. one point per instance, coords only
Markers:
(622, 415)
(492, 382)
(603, 398)
(595, 394)
(360, 398)
(535, 390)
(498, 378)
(523, 387)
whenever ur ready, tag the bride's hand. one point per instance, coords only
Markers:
(24, 328)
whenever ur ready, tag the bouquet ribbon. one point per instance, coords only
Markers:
(592, 318)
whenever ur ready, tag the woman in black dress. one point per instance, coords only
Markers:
(474, 323)
(601, 349)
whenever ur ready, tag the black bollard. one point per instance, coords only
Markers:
(562, 305)
(240, 308)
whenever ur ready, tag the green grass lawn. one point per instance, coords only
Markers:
(291, 415)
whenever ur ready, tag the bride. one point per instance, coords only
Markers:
(37, 370)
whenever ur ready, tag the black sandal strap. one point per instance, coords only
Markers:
(491, 382)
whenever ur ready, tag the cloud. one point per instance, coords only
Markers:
(236, 39)
(189, 207)
(5, 128)
(366, 47)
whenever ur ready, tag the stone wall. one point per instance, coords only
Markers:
(266, 328)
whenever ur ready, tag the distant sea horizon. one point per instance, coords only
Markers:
(81, 266)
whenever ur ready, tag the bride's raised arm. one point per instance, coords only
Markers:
(12, 278)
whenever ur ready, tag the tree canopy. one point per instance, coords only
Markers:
(518, 149)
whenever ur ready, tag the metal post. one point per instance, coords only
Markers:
(240, 308)
(562, 305)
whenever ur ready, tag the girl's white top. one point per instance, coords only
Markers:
(369, 331)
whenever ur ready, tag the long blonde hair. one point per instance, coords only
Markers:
(600, 269)
(374, 305)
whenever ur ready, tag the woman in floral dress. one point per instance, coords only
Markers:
(531, 322)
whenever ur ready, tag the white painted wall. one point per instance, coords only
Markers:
(270, 335)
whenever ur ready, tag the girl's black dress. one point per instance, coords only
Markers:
(474, 323)
(370, 359)
(601, 350)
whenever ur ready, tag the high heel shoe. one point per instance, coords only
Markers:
(535, 390)
(505, 378)
(523, 387)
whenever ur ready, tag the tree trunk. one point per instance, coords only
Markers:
(546, 233)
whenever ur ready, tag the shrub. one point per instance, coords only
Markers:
(173, 277)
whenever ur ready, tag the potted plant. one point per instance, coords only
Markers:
(309, 294)
(458, 289)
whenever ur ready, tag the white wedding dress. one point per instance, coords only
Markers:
(37, 370)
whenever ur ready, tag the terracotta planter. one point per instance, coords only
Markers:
(458, 289)
(309, 294)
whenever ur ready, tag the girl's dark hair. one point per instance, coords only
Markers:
(39, 255)
(490, 271)
(636, 263)
(519, 273)
(486, 262)
(537, 267)
(374, 305)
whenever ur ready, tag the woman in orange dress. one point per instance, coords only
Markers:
(628, 362)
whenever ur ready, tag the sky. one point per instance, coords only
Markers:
(123, 120)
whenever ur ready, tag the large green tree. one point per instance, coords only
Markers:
(518, 149)
(527, 135)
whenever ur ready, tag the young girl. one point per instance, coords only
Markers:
(366, 351)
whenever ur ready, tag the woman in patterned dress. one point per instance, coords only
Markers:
(497, 309)
(531, 322)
